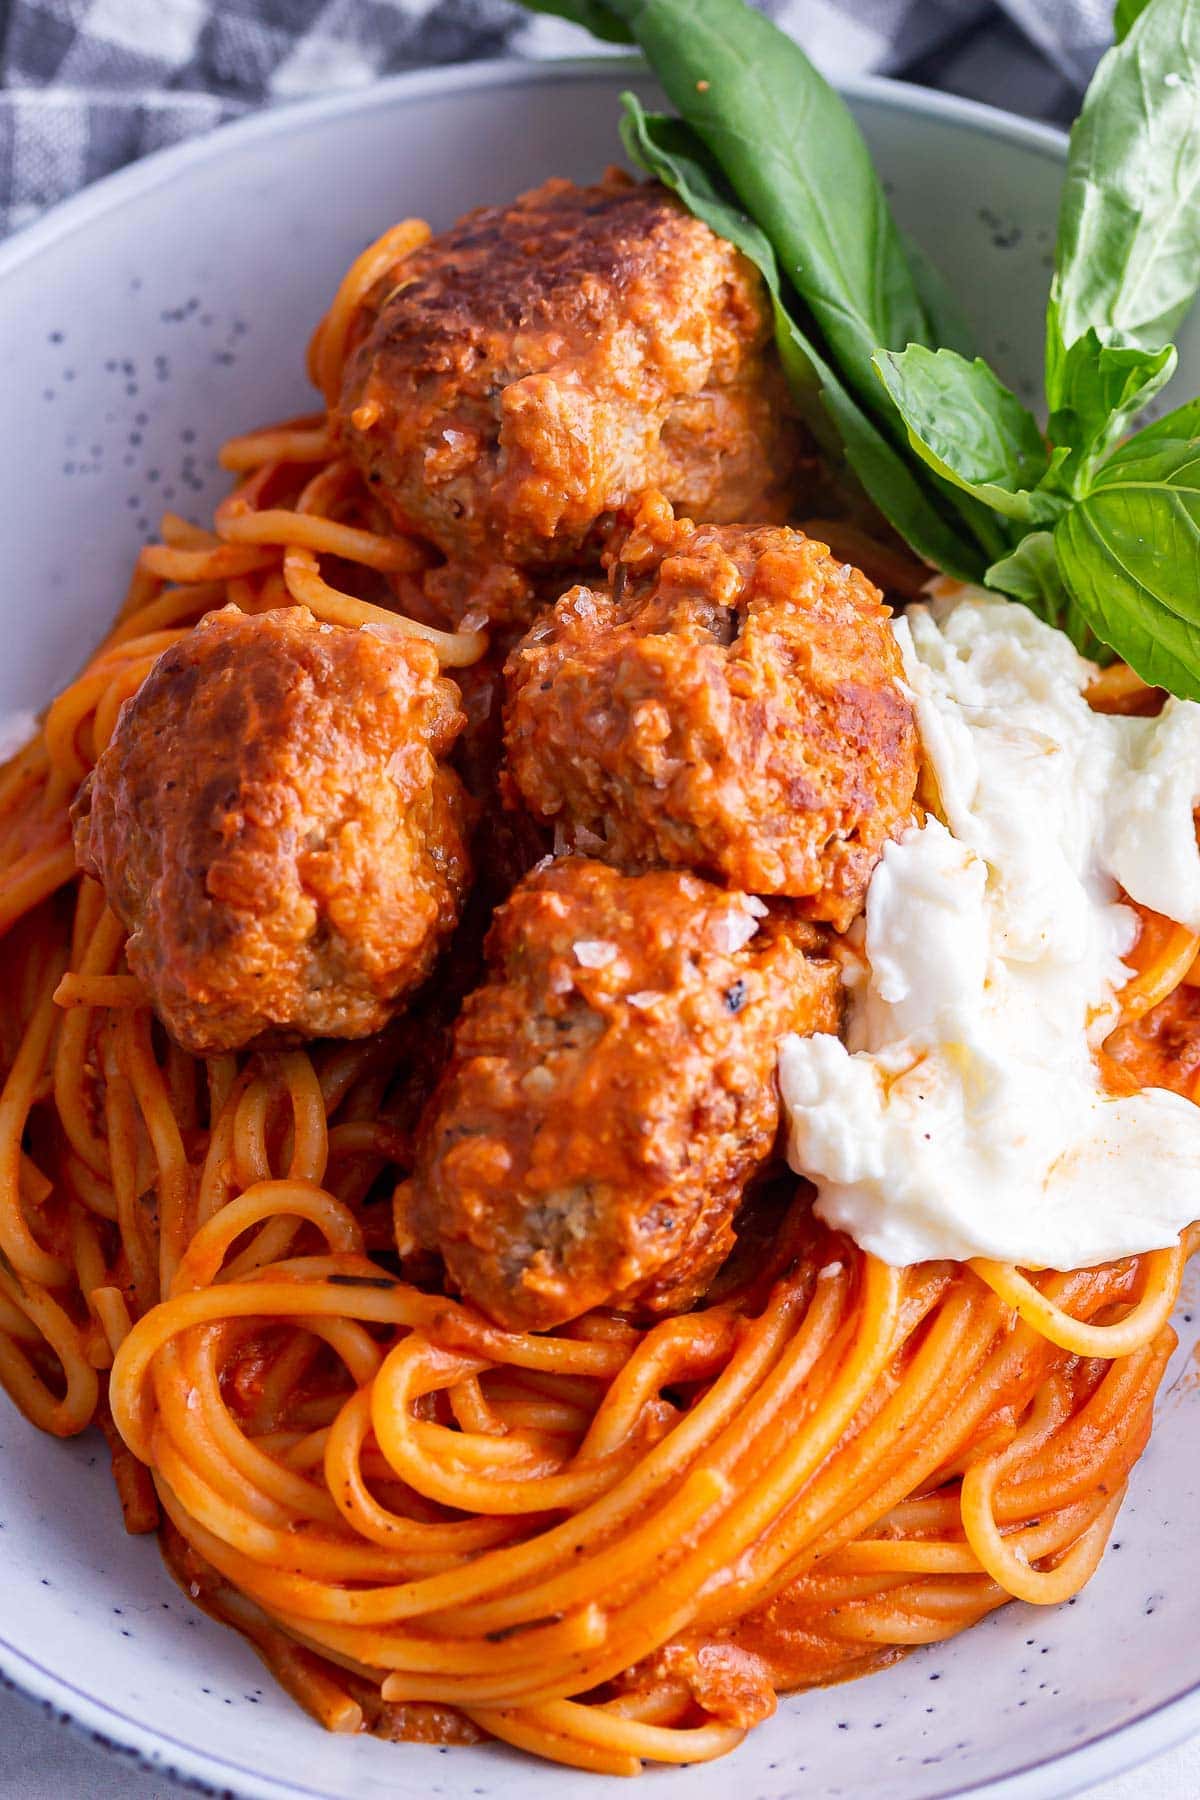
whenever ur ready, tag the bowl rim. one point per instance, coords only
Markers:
(160, 167)
(1160, 1727)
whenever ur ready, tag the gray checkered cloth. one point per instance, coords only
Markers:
(87, 85)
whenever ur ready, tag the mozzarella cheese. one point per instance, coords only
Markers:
(963, 1115)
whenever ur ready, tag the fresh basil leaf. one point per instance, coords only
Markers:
(1102, 388)
(1156, 643)
(972, 430)
(593, 15)
(892, 487)
(1180, 427)
(1128, 255)
(1129, 551)
(1030, 573)
(797, 163)
(669, 150)
(1126, 16)
(1161, 462)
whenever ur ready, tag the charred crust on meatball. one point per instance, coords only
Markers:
(732, 702)
(274, 824)
(605, 1104)
(529, 371)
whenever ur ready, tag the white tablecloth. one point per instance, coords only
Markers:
(44, 1761)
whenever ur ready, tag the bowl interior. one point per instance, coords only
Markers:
(153, 319)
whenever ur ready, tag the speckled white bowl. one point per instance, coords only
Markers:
(142, 323)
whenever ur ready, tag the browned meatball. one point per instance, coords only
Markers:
(734, 706)
(272, 823)
(539, 364)
(611, 1089)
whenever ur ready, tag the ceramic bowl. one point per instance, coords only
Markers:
(145, 321)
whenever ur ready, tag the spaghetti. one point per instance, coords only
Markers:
(607, 1545)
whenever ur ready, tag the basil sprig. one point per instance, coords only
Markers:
(667, 149)
(1126, 16)
(967, 426)
(1099, 536)
(1128, 254)
(1129, 551)
(794, 160)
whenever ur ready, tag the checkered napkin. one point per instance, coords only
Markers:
(86, 85)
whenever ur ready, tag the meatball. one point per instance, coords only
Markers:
(611, 1089)
(539, 364)
(732, 704)
(272, 823)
